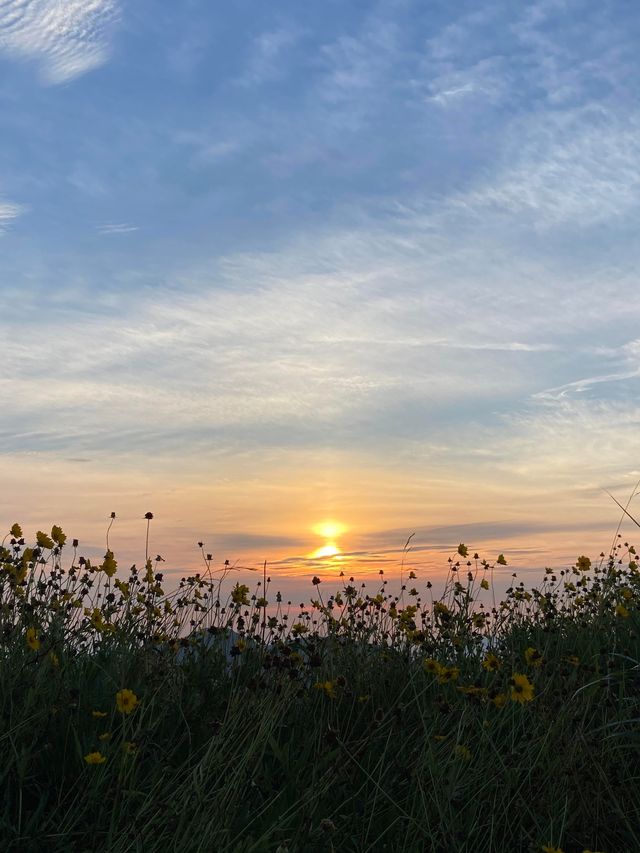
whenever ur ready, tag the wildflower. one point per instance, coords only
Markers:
(299, 628)
(448, 673)
(521, 688)
(129, 747)
(126, 701)
(432, 666)
(95, 758)
(328, 687)
(484, 583)
(32, 639)
(463, 550)
(491, 662)
(583, 564)
(109, 564)
(241, 645)
(533, 657)
(105, 736)
(462, 752)
(58, 536)
(240, 594)
(499, 700)
(43, 540)
(98, 714)
(441, 609)
(549, 848)
(622, 611)
(16, 531)
(501, 560)
(627, 593)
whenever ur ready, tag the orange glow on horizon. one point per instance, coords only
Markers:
(328, 550)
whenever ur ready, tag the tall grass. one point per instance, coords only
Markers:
(213, 719)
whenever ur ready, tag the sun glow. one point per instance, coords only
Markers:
(328, 550)
(329, 529)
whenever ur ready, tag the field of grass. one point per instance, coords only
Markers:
(216, 718)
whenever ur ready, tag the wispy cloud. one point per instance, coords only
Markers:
(8, 212)
(576, 168)
(266, 60)
(67, 38)
(117, 228)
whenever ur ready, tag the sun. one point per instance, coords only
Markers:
(328, 550)
(330, 530)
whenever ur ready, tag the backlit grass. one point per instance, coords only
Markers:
(216, 718)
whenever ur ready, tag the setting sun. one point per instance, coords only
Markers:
(328, 550)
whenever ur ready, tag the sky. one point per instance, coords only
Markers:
(269, 265)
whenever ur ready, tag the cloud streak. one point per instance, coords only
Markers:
(66, 39)
(8, 212)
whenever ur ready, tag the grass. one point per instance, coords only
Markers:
(214, 719)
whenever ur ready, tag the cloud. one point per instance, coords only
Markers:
(117, 228)
(577, 169)
(8, 212)
(266, 60)
(67, 39)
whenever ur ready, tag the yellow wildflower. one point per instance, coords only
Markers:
(521, 688)
(499, 700)
(57, 535)
(533, 657)
(627, 593)
(462, 752)
(484, 583)
(549, 848)
(98, 714)
(32, 639)
(432, 666)
(109, 564)
(126, 701)
(583, 563)
(95, 758)
(240, 594)
(16, 531)
(491, 662)
(328, 688)
(43, 540)
(622, 611)
(129, 747)
(448, 673)
(105, 736)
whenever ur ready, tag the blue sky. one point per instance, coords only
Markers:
(272, 254)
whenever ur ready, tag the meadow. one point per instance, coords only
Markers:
(218, 717)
